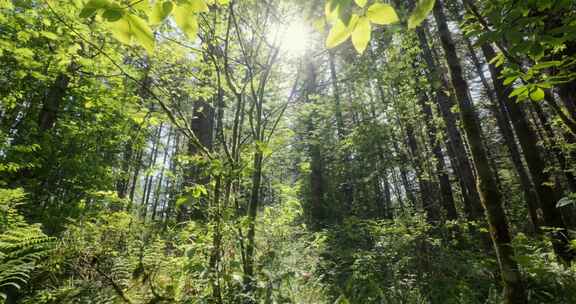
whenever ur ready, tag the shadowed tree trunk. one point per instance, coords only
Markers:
(347, 186)
(52, 102)
(498, 102)
(318, 214)
(536, 164)
(459, 157)
(426, 186)
(490, 195)
(447, 196)
(202, 125)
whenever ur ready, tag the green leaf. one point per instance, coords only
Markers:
(93, 6)
(8, 5)
(361, 34)
(361, 3)
(330, 11)
(98, 4)
(338, 34)
(198, 191)
(112, 15)
(142, 32)
(87, 12)
(420, 13)
(131, 26)
(199, 6)
(160, 11)
(565, 201)
(342, 300)
(537, 94)
(49, 35)
(381, 13)
(186, 20)
(547, 65)
(121, 30)
(518, 91)
(510, 80)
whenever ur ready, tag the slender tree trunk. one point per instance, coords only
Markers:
(498, 108)
(387, 195)
(402, 160)
(347, 186)
(426, 186)
(317, 209)
(447, 196)
(536, 165)
(135, 178)
(161, 178)
(549, 137)
(490, 196)
(459, 159)
(149, 177)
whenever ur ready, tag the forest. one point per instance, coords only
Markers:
(288, 151)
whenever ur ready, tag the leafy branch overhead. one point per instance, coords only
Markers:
(134, 23)
(355, 21)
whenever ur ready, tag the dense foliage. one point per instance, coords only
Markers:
(287, 151)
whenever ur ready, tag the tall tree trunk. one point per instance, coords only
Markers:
(490, 196)
(346, 186)
(498, 102)
(447, 196)
(161, 178)
(549, 137)
(52, 102)
(402, 160)
(124, 180)
(202, 125)
(135, 178)
(428, 196)
(459, 159)
(149, 177)
(536, 164)
(316, 207)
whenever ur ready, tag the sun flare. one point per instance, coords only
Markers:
(293, 38)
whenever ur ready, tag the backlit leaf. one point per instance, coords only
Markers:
(338, 34)
(49, 35)
(186, 20)
(121, 30)
(98, 4)
(381, 13)
(160, 11)
(142, 32)
(330, 11)
(361, 34)
(131, 26)
(199, 6)
(537, 94)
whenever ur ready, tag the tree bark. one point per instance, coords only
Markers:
(447, 196)
(536, 164)
(489, 193)
(498, 100)
(52, 102)
(460, 161)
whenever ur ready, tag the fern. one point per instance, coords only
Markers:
(20, 250)
(22, 245)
